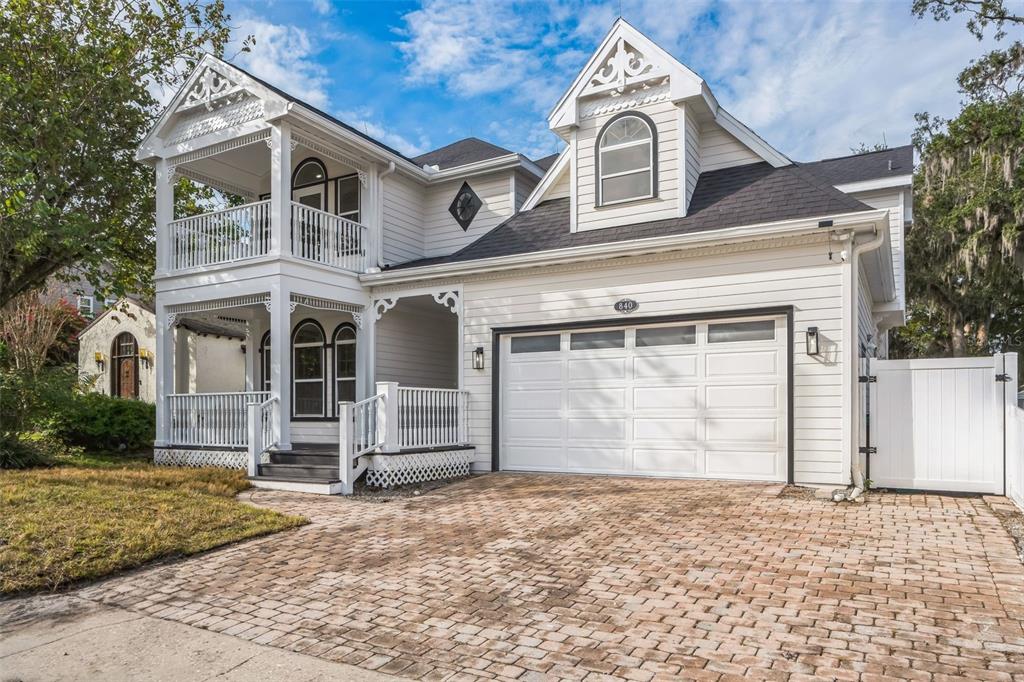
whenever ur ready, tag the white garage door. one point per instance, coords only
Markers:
(700, 399)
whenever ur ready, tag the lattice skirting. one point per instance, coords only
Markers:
(388, 471)
(183, 457)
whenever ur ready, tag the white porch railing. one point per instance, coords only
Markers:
(431, 417)
(211, 419)
(325, 238)
(223, 236)
(263, 420)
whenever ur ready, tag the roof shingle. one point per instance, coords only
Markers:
(469, 150)
(885, 163)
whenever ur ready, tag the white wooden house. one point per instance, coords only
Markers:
(670, 296)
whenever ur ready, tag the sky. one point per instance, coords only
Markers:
(812, 78)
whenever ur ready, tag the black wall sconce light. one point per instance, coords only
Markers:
(813, 341)
(478, 358)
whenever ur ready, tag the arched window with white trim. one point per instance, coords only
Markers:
(626, 159)
(308, 385)
(265, 360)
(345, 363)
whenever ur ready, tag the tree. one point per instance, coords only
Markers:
(77, 84)
(31, 327)
(965, 250)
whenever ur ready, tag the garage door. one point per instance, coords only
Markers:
(701, 399)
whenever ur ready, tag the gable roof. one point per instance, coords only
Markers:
(730, 197)
(886, 163)
(145, 305)
(545, 162)
(461, 152)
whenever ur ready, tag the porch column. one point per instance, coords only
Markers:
(253, 380)
(164, 215)
(366, 340)
(280, 358)
(281, 188)
(164, 374)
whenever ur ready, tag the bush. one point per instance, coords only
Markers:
(99, 422)
(22, 453)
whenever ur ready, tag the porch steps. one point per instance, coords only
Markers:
(304, 463)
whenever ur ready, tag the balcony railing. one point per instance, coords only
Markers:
(243, 232)
(223, 236)
(325, 238)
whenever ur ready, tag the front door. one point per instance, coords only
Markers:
(310, 196)
(126, 380)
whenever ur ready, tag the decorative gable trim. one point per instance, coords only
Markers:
(634, 100)
(626, 67)
(211, 86)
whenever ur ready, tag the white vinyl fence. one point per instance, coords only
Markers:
(948, 424)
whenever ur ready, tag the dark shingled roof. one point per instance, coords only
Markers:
(730, 197)
(460, 153)
(546, 162)
(869, 166)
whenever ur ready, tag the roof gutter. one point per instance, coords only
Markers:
(870, 220)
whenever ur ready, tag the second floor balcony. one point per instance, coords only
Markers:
(248, 231)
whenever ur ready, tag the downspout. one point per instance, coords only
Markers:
(380, 212)
(856, 251)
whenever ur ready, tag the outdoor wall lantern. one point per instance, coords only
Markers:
(813, 346)
(146, 356)
(478, 358)
(99, 360)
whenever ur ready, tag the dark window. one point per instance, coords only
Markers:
(308, 370)
(309, 172)
(626, 160)
(265, 360)
(536, 344)
(598, 340)
(348, 197)
(665, 336)
(345, 364)
(725, 332)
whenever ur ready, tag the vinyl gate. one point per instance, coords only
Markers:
(947, 424)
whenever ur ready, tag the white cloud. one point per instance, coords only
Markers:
(284, 56)
(813, 78)
(364, 120)
(323, 7)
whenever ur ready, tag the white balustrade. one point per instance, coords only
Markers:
(212, 419)
(432, 417)
(222, 236)
(262, 426)
(329, 239)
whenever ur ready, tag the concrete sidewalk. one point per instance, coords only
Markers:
(63, 637)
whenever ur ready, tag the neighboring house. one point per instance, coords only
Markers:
(82, 295)
(668, 296)
(116, 353)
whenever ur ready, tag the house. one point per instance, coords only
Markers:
(116, 353)
(668, 296)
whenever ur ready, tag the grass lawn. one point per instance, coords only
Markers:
(96, 515)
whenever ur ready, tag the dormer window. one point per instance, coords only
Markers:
(626, 160)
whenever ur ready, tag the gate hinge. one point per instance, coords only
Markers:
(870, 379)
(867, 450)
(1003, 377)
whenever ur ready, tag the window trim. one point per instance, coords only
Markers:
(92, 305)
(298, 167)
(354, 342)
(598, 198)
(323, 374)
(347, 215)
(265, 360)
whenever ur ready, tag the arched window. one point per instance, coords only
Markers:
(308, 385)
(265, 360)
(124, 364)
(345, 363)
(309, 172)
(626, 159)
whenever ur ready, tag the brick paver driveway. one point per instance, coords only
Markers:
(531, 576)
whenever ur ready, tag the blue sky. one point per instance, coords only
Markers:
(813, 78)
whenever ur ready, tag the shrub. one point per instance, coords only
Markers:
(22, 453)
(99, 422)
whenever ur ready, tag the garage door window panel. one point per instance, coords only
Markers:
(647, 337)
(598, 340)
(536, 344)
(734, 332)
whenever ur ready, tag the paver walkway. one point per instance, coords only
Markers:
(540, 576)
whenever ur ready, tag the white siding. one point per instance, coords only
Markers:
(417, 344)
(893, 200)
(403, 219)
(797, 276)
(219, 364)
(525, 182)
(865, 320)
(442, 235)
(693, 157)
(589, 217)
(719, 149)
(559, 189)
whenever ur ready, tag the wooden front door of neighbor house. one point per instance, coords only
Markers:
(127, 381)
